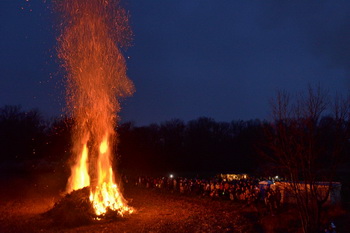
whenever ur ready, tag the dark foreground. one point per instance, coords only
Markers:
(23, 203)
(155, 212)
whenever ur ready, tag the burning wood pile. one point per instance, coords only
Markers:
(76, 209)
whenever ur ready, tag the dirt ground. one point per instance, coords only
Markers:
(22, 204)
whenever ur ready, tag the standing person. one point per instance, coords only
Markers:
(181, 188)
(331, 228)
(278, 197)
(207, 189)
(271, 201)
(212, 187)
(232, 192)
(174, 184)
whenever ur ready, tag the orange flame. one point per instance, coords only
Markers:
(80, 177)
(107, 194)
(90, 49)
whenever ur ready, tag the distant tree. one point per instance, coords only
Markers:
(22, 134)
(201, 145)
(247, 141)
(300, 147)
(172, 144)
(59, 140)
(139, 148)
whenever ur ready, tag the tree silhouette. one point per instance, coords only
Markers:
(21, 134)
(301, 148)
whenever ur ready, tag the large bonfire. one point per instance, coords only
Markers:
(93, 32)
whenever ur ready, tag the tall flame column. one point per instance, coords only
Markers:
(93, 31)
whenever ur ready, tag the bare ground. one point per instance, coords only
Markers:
(22, 204)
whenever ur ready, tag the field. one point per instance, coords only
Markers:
(23, 203)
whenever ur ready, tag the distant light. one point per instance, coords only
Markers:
(276, 177)
(171, 176)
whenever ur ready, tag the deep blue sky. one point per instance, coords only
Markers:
(191, 58)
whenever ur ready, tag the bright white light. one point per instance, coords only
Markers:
(171, 176)
(276, 177)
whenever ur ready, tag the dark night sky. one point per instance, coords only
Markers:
(191, 58)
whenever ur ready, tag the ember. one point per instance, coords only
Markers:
(89, 46)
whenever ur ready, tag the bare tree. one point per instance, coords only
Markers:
(305, 150)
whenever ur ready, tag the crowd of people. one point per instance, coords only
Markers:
(249, 191)
(243, 190)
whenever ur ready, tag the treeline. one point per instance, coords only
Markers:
(29, 142)
(201, 146)
(198, 146)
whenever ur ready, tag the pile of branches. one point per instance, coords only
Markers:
(74, 209)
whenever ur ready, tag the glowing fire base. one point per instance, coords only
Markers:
(109, 197)
(76, 209)
(106, 195)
